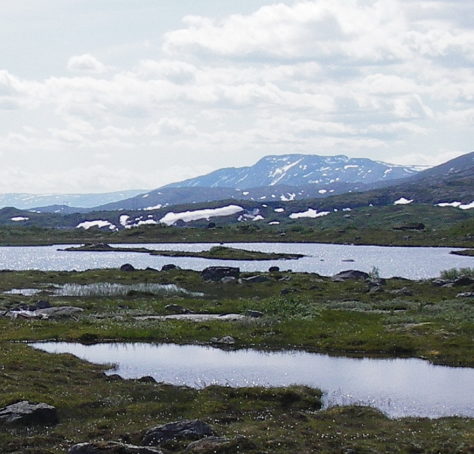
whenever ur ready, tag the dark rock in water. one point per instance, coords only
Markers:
(169, 267)
(178, 309)
(256, 279)
(253, 314)
(127, 267)
(147, 379)
(274, 269)
(350, 274)
(216, 273)
(220, 445)
(179, 430)
(26, 413)
(111, 447)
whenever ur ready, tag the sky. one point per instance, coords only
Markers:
(105, 95)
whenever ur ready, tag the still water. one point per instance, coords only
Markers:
(398, 387)
(325, 259)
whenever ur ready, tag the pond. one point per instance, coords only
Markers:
(398, 387)
(325, 259)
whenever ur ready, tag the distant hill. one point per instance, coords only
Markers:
(27, 201)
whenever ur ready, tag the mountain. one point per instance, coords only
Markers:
(286, 177)
(300, 169)
(27, 201)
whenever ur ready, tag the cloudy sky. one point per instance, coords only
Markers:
(102, 95)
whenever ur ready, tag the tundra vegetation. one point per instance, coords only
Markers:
(431, 319)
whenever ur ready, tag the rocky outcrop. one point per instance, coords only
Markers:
(127, 267)
(220, 445)
(26, 413)
(226, 340)
(216, 273)
(350, 274)
(179, 430)
(111, 447)
(46, 313)
(256, 279)
(178, 309)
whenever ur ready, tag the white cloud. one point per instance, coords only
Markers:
(86, 63)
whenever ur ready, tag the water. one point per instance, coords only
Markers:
(325, 259)
(398, 387)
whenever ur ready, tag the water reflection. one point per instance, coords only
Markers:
(398, 387)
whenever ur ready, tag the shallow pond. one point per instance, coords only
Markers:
(325, 259)
(398, 387)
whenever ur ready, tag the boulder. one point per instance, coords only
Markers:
(463, 280)
(350, 274)
(256, 279)
(26, 413)
(226, 340)
(465, 295)
(404, 291)
(274, 269)
(58, 312)
(39, 305)
(220, 445)
(180, 430)
(253, 314)
(228, 279)
(127, 267)
(216, 273)
(169, 267)
(111, 447)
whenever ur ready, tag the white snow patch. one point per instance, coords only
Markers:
(279, 210)
(290, 197)
(123, 219)
(346, 209)
(86, 225)
(145, 196)
(19, 219)
(278, 174)
(450, 204)
(468, 206)
(186, 216)
(155, 207)
(309, 213)
(246, 193)
(402, 201)
(147, 222)
(351, 166)
(322, 191)
(259, 217)
(274, 223)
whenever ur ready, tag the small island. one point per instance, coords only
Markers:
(465, 252)
(216, 252)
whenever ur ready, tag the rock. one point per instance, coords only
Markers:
(179, 430)
(226, 340)
(375, 289)
(147, 379)
(439, 282)
(111, 447)
(274, 269)
(169, 267)
(465, 295)
(39, 305)
(253, 314)
(28, 413)
(256, 279)
(216, 273)
(228, 279)
(411, 226)
(149, 268)
(463, 280)
(59, 312)
(220, 445)
(127, 267)
(178, 309)
(350, 274)
(288, 291)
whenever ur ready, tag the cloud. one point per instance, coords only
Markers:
(86, 63)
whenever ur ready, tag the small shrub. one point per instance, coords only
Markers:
(456, 273)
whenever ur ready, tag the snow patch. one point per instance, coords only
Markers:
(274, 223)
(19, 219)
(309, 213)
(402, 201)
(279, 210)
(450, 204)
(259, 217)
(468, 206)
(155, 207)
(187, 216)
(288, 197)
(322, 191)
(86, 225)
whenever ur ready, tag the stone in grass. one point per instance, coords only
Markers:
(465, 295)
(111, 447)
(350, 274)
(187, 429)
(127, 267)
(220, 445)
(177, 309)
(216, 273)
(226, 340)
(253, 313)
(26, 413)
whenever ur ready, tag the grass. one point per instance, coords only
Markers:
(456, 273)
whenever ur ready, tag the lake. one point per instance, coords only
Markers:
(398, 387)
(325, 259)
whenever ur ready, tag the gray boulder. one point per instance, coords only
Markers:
(465, 295)
(169, 267)
(180, 430)
(26, 413)
(177, 309)
(220, 445)
(216, 273)
(226, 340)
(111, 447)
(350, 274)
(127, 267)
(254, 314)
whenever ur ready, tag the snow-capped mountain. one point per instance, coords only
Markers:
(298, 170)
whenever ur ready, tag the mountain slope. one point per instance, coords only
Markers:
(298, 170)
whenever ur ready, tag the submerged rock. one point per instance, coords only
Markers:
(28, 413)
(180, 430)
(111, 447)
